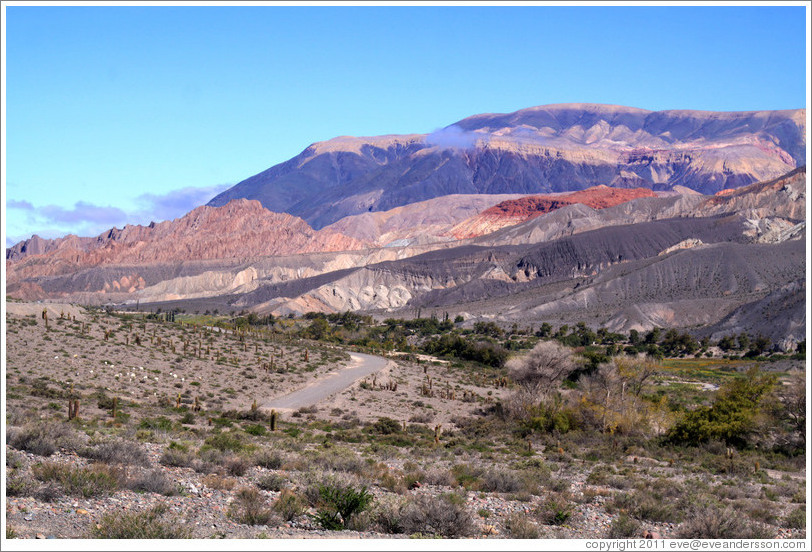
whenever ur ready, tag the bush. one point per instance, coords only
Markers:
(519, 527)
(731, 417)
(268, 459)
(98, 479)
(42, 439)
(796, 519)
(713, 523)
(161, 423)
(18, 485)
(249, 507)
(226, 441)
(289, 505)
(555, 510)
(153, 481)
(272, 482)
(624, 527)
(139, 525)
(118, 452)
(504, 481)
(387, 426)
(177, 458)
(339, 503)
(436, 516)
(236, 465)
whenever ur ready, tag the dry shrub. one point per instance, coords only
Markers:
(556, 509)
(269, 459)
(118, 452)
(98, 479)
(177, 458)
(519, 527)
(148, 524)
(236, 466)
(624, 527)
(43, 438)
(153, 481)
(272, 482)
(441, 516)
(713, 523)
(290, 505)
(251, 508)
(218, 482)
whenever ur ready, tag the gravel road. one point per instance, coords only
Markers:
(362, 365)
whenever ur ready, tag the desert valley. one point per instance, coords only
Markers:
(571, 321)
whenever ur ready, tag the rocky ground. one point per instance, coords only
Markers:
(421, 449)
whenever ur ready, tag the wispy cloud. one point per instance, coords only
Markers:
(453, 137)
(177, 202)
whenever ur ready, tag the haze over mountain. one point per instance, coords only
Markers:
(546, 149)
(559, 213)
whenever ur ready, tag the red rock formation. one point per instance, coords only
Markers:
(241, 228)
(516, 211)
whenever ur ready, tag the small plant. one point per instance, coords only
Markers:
(272, 482)
(139, 525)
(624, 527)
(796, 519)
(118, 452)
(519, 527)
(153, 481)
(440, 516)
(290, 505)
(98, 479)
(249, 507)
(555, 510)
(339, 503)
(713, 523)
(268, 459)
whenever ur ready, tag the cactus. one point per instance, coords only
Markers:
(177, 403)
(115, 407)
(73, 409)
(437, 430)
(306, 356)
(273, 420)
(197, 405)
(254, 406)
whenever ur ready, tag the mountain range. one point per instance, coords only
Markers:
(621, 217)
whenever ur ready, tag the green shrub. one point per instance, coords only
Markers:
(161, 423)
(339, 503)
(226, 441)
(796, 519)
(255, 429)
(387, 426)
(730, 418)
(139, 525)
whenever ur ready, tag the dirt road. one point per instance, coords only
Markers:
(361, 365)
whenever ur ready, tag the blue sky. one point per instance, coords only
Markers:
(122, 115)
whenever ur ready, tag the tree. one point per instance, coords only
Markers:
(543, 369)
